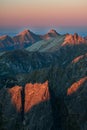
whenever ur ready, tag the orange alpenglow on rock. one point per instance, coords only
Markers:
(34, 94)
(78, 58)
(50, 34)
(75, 86)
(15, 93)
(73, 39)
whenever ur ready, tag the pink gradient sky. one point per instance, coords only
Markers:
(19, 13)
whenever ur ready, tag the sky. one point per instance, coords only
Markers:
(43, 13)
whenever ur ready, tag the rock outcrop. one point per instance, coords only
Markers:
(18, 98)
(73, 39)
(75, 86)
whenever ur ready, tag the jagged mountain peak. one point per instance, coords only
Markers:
(54, 32)
(50, 34)
(26, 31)
(27, 36)
(73, 39)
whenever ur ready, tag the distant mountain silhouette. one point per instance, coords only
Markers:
(27, 38)
(23, 39)
(50, 34)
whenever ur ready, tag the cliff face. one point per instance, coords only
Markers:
(33, 95)
(73, 39)
(16, 100)
(21, 101)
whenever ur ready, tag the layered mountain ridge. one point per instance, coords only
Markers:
(44, 87)
(26, 38)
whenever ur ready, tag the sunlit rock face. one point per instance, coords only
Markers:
(18, 103)
(75, 86)
(77, 59)
(33, 95)
(26, 37)
(15, 93)
(73, 39)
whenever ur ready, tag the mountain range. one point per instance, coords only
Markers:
(23, 39)
(27, 38)
(44, 86)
